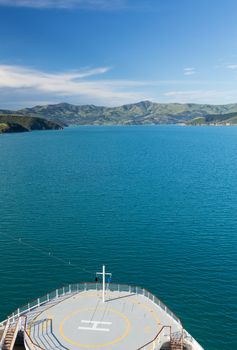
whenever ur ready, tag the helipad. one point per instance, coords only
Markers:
(96, 316)
(127, 320)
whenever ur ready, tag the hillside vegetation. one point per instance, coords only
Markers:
(140, 113)
(19, 123)
(144, 112)
(219, 119)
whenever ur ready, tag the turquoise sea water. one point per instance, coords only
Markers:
(157, 205)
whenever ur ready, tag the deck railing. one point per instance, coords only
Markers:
(16, 327)
(6, 326)
(162, 337)
(67, 291)
(191, 341)
(29, 344)
(81, 287)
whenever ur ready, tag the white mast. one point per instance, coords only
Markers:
(103, 273)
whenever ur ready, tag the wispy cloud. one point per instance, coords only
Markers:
(23, 86)
(231, 66)
(80, 85)
(189, 71)
(64, 4)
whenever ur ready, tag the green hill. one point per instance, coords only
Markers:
(219, 119)
(11, 127)
(19, 123)
(232, 120)
(144, 112)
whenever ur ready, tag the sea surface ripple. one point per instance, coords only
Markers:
(156, 204)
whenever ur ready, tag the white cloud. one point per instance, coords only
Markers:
(23, 86)
(189, 71)
(17, 80)
(86, 4)
(21, 77)
(231, 66)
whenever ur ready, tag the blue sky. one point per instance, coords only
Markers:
(112, 52)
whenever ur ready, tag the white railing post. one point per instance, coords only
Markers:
(56, 293)
(63, 291)
(70, 288)
(38, 302)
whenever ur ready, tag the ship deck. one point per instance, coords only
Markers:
(125, 321)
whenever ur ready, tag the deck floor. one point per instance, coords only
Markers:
(82, 321)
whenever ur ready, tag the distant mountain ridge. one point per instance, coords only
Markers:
(144, 112)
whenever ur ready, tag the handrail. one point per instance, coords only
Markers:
(27, 307)
(30, 344)
(154, 339)
(79, 287)
(18, 326)
(3, 322)
(27, 338)
(189, 339)
(16, 330)
(167, 310)
(4, 334)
